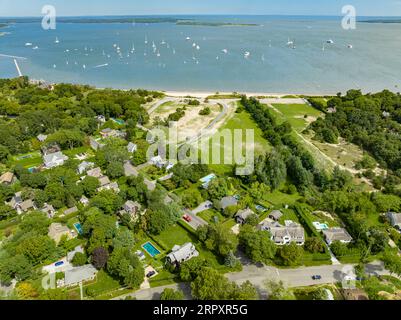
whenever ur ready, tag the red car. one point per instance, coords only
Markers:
(187, 218)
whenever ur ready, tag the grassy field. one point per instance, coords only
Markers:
(28, 160)
(295, 114)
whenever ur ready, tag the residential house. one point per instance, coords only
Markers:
(336, 234)
(206, 180)
(95, 145)
(132, 208)
(132, 147)
(57, 231)
(52, 160)
(158, 161)
(96, 173)
(42, 137)
(275, 215)
(242, 215)
(111, 133)
(15, 200)
(228, 202)
(101, 118)
(21, 206)
(104, 180)
(49, 210)
(110, 186)
(282, 235)
(49, 149)
(84, 200)
(182, 253)
(394, 219)
(85, 166)
(7, 178)
(77, 275)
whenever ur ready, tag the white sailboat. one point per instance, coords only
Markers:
(57, 40)
(28, 44)
(188, 38)
(350, 46)
(146, 40)
(225, 51)
(35, 48)
(247, 54)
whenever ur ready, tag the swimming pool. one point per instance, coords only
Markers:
(78, 226)
(150, 248)
(119, 121)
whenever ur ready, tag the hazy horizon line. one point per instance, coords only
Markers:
(204, 14)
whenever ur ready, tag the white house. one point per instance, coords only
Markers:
(282, 235)
(395, 219)
(132, 147)
(84, 166)
(182, 253)
(158, 161)
(56, 159)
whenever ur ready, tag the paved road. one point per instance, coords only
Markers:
(130, 170)
(161, 102)
(257, 275)
(303, 276)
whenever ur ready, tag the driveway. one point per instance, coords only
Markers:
(202, 207)
(196, 221)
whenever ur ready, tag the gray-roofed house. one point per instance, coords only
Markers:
(7, 178)
(132, 208)
(228, 202)
(56, 159)
(77, 275)
(84, 200)
(394, 219)
(42, 137)
(275, 215)
(242, 215)
(336, 234)
(132, 147)
(110, 186)
(15, 200)
(182, 253)
(84, 166)
(25, 206)
(57, 231)
(95, 145)
(96, 173)
(49, 210)
(104, 180)
(282, 235)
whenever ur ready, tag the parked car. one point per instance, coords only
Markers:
(150, 274)
(60, 263)
(187, 218)
(316, 277)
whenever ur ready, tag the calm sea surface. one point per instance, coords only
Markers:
(88, 53)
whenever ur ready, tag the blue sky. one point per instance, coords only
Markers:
(144, 7)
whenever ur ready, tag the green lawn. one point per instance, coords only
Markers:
(288, 214)
(295, 113)
(279, 198)
(28, 160)
(73, 152)
(209, 215)
(104, 283)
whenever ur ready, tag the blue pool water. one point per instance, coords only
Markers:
(78, 227)
(150, 248)
(119, 121)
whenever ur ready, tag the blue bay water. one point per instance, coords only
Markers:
(372, 64)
